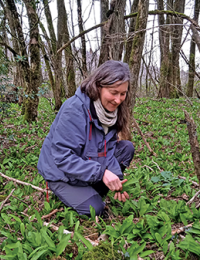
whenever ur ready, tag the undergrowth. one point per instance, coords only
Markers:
(142, 226)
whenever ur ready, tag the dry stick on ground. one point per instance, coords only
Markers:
(4, 202)
(194, 145)
(193, 182)
(52, 213)
(23, 183)
(192, 199)
(140, 132)
(181, 229)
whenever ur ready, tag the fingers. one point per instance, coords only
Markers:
(126, 195)
(121, 196)
(123, 181)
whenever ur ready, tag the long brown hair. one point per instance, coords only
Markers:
(105, 75)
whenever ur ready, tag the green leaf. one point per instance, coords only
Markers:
(47, 238)
(158, 238)
(155, 179)
(22, 229)
(183, 219)
(61, 246)
(92, 213)
(36, 250)
(76, 226)
(38, 218)
(47, 206)
(85, 241)
(146, 253)
(71, 219)
(38, 254)
(165, 247)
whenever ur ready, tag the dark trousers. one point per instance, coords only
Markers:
(80, 198)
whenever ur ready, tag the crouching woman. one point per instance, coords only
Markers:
(81, 157)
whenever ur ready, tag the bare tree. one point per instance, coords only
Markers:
(131, 30)
(137, 46)
(192, 53)
(114, 31)
(30, 67)
(63, 37)
(83, 42)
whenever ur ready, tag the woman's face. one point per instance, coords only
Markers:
(111, 97)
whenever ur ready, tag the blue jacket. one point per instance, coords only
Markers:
(76, 150)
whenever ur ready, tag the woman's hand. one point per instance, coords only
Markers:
(112, 181)
(121, 196)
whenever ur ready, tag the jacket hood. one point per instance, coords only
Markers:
(83, 97)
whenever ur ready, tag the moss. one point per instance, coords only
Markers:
(103, 251)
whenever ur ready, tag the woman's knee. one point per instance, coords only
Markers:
(130, 148)
(95, 201)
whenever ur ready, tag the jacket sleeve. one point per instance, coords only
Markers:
(68, 142)
(113, 166)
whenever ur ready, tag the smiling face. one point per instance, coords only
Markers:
(111, 97)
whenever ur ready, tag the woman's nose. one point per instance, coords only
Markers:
(117, 99)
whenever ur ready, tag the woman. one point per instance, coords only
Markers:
(81, 158)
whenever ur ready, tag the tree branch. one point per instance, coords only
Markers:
(154, 12)
(23, 183)
(9, 48)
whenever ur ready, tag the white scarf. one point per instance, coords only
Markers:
(107, 119)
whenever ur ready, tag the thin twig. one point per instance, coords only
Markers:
(157, 165)
(23, 183)
(52, 213)
(181, 229)
(192, 199)
(198, 205)
(4, 202)
(148, 167)
(193, 182)
(21, 201)
(140, 132)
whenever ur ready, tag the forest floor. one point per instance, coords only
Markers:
(157, 222)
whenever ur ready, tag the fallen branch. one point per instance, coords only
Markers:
(193, 182)
(194, 145)
(192, 199)
(198, 206)
(52, 213)
(181, 229)
(148, 167)
(140, 132)
(4, 202)
(157, 165)
(23, 183)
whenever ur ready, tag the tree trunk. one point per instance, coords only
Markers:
(137, 47)
(177, 29)
(62, 38)
(55, 58)
(164, 53)
(32, 100)
(114, 31)
(104, 6)
(129, 41)
(192, 53)
(83, 43)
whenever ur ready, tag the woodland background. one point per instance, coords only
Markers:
(42, 53)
